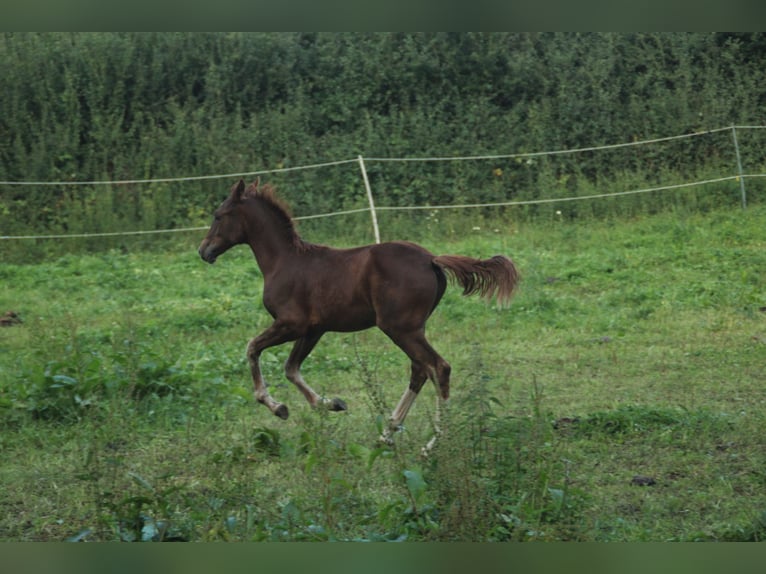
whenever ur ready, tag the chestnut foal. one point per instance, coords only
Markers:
(311, 289)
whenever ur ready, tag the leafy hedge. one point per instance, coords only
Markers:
(115, 106)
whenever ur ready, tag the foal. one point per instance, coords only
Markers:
(311, 289)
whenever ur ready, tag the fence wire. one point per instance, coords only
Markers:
(373, 209)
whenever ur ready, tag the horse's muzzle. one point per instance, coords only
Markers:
(207, 252)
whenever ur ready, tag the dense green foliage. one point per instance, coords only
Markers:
(621, 397)
(119, 106)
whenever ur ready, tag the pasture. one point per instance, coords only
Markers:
(620, 397)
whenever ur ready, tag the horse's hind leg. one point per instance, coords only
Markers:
(417, 379)
(301, 350)
(276, 334)
(426, 364)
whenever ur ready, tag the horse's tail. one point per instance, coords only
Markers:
(486, 277)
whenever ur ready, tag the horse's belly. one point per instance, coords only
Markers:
(345, 318)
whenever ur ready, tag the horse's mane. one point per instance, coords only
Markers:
(268, 195)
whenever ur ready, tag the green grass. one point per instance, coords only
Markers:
(635, 348)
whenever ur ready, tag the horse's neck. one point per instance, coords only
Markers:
(268, 239)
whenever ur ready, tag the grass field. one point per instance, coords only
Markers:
(621, 397)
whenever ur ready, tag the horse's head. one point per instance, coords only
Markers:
(228, 228)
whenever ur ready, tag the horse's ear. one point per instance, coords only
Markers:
(238, 190)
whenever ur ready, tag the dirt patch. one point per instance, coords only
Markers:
(9, 319)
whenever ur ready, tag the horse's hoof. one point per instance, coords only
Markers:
(338, 405)
(385, 444)
(282, 412)
(426, 451)
(386, 439)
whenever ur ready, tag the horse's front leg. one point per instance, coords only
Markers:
(276, 334)
(300, 351)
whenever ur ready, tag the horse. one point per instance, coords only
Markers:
(311, 289)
